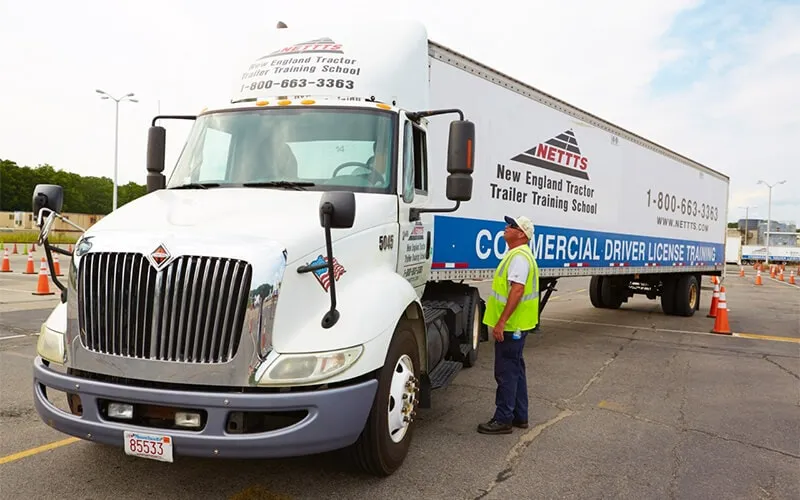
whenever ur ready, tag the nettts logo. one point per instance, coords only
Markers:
(319, 46)
(560, 154)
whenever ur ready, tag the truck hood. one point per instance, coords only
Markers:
(234, 217)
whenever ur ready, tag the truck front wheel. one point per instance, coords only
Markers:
(385, 440)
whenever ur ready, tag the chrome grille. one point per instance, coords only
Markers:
(190, 311)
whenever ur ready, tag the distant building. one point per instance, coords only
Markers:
(23, 221)
(787, 240)
(752, 224)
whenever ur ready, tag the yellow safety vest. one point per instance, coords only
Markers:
(526, 314)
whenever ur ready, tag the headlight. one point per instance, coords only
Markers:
(50, 345)
(311, 367)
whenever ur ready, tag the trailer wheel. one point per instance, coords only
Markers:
(384, 442)
(687, 293)
(668, 295)
(610, 295)
(594, 291)
(473, 329)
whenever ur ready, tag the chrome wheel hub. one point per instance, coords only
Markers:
(403, 391)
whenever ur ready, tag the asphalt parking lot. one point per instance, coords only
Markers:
(624, 404)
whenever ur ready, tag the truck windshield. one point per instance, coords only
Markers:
(307, 148)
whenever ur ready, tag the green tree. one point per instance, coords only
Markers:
(86, 195)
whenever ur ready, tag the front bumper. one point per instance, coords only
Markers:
(335, 417)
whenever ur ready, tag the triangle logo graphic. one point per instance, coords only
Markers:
(559, 154)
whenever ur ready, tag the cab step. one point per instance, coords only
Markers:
(443, 374)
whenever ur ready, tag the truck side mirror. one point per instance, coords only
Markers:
(461, 147)
(339, 208)
(460, 160)
(156, 148)
(49, 196)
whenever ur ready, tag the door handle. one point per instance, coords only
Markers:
(428, 247)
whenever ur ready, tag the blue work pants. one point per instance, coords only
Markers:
(511, 398)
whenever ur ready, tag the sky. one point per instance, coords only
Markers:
(716, 80)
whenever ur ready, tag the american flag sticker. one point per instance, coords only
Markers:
(323, 275)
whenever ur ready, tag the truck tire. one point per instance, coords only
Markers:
(668, 295)
(473, 328)
(385, 440)
(594, 291)
(610, 295)
(687, 293)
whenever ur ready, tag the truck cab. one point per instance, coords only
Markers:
(270, 297)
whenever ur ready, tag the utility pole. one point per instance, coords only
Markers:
(769, 216)
(747, 222)
(129, 97)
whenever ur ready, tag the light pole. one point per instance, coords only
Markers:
(769, 216)
(129, 97)
(747, 222)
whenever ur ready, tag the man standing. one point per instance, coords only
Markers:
(512, 311)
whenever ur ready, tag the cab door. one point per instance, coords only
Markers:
(415, 247)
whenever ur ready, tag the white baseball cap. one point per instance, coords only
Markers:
(523, 223)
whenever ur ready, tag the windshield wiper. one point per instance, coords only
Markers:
(299, 185)
(197, 185)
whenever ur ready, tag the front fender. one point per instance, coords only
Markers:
(370, 305)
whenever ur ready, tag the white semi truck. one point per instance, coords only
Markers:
(304, 278)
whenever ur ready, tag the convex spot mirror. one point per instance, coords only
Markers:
(340, 207)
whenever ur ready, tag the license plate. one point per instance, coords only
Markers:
(152, 446)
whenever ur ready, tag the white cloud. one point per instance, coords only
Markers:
(740, 117)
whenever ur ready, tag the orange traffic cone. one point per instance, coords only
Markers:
(29, 267)
(772, 272)
(741, 272)
(43, 286)
(6, 263)
(791, 278)
(712, 312)
(33, 247)
(57, 266)
(758, 277)
(721, 322)
(780, 276)
(15, 252)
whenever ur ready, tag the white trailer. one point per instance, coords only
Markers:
(733, 248)
(296, 286)
(778, 254)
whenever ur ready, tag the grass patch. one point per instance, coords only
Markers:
(22, 237)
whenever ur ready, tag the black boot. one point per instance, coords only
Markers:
(494, 427)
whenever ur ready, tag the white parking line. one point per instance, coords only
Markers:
(776, 280)
(12, 337)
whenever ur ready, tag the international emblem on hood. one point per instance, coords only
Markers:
(160, 255)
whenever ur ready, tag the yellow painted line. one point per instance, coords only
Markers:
(645, 328)
(35, 451)
(767, 337)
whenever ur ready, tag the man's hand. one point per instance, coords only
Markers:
(498, 330)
